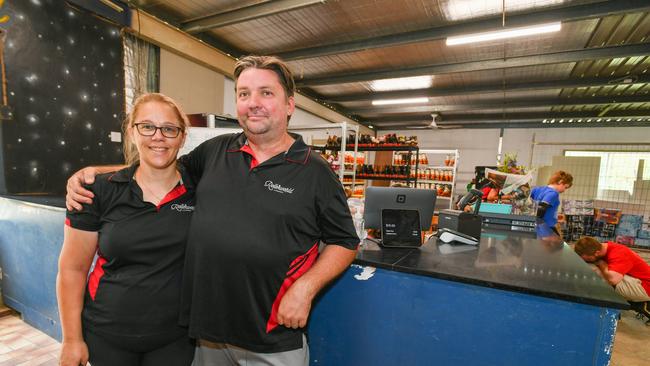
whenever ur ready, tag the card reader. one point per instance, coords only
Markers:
(449, 236)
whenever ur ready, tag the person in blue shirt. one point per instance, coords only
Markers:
(548, 197)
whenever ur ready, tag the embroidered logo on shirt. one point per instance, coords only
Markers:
(182, 207)
(277, 188)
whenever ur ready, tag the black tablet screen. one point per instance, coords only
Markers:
(400, 228)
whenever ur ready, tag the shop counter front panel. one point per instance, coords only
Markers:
(374, 316)
(511, 300)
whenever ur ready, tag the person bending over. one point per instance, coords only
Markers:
(619, 266)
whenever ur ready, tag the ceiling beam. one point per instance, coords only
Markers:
(151, 29)
(503, 124)
(245, 14)
(491, 88)
(164, 15)
(510, 117)
(500, 104)
(609, 52)
(572, 13)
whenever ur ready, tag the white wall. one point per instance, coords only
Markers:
(229, 107)
(197, 88)
(520, 141)
(480, 146)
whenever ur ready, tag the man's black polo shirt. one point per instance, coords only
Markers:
(256, 229)
(134, 289)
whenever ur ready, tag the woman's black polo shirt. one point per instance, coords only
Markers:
(256, 229)
(134, 288)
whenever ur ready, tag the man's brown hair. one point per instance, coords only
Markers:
(587, 246)
(561, 177)
(273, 63)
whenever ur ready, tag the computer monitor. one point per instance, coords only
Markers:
(379, 198)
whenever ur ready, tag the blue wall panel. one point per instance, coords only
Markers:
(30, 241)
(396, 318)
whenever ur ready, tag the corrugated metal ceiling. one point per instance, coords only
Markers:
(347, 38)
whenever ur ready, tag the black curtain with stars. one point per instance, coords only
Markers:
(65, 84)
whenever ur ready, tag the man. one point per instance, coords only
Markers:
(264, 202)
(619, 266)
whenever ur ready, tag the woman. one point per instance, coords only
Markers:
(126, 312)
(548, 198)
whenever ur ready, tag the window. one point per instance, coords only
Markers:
(618, 169)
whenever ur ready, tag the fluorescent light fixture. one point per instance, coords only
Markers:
(400, 101)
(504, 33)
(414, 82)
(471, 9)
(371, 126)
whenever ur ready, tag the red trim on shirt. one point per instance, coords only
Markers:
(304, 161)
(172, 195)
(304, 262)
(96, 276)
(247, 149)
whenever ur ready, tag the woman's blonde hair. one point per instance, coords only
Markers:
(131, 155)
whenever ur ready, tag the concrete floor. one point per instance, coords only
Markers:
(632, 342)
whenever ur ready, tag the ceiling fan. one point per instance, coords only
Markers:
(434, 125)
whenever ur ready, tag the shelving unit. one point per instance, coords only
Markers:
(349, 173)
(342, 129)
(408, 177)
(437, 169)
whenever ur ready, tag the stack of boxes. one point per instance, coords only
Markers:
(643, 236)
(633, 232)
(582, 219)
(606, 220)
(579, 218)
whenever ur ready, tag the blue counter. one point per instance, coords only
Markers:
(510, 301)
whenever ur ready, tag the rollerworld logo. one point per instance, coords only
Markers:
(182, 207)
(277, 188)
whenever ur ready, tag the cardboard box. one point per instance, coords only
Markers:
(644, 233)
(626, 240)
(608, 215)
(642, 242)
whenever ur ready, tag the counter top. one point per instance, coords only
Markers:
(502, 260)
(54, 201)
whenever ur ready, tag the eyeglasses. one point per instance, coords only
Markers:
(149, 129)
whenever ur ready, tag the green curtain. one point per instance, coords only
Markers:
(141, 68)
